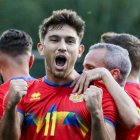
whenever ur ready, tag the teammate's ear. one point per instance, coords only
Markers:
(115, 73)
(40, 48)
(81, 50)
(31, 61)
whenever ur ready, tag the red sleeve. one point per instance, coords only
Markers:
(1, 105)
(2, 99)
(109, 108)
(108, 105)
(135, 133)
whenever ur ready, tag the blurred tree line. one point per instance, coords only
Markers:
(100, 16)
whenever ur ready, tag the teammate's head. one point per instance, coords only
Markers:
(15, 50)
(112, 57)
(126, 41)
(14, 42)
(60, 38)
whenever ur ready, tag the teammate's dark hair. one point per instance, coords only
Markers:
(15, 42)
(126, 41)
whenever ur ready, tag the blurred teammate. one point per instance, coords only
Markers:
(48, 111)
(15, 59)
(116, 60)
(132, 87)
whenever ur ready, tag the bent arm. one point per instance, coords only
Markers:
(104, 130)
(10, 124)
(126, 107)
(99, 130)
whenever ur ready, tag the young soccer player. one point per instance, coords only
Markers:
(132, 87)
(16, 59)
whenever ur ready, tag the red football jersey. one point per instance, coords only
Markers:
(3, 92)
(133, 90)
(50, 113)
(4, 95)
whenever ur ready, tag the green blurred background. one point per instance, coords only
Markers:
(100, 16)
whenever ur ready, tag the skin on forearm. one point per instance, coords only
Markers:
(126, 107)
(99, 130)
(10, 127)
(11, 119)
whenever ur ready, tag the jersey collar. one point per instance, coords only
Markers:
(56, 85)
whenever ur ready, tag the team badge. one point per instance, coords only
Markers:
(76, 98)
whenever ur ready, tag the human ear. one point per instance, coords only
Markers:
(115, 73)
(40, 48)
(31, 61)
(81, 50)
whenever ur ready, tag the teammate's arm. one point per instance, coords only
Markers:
(125, 105)
(100, 130)
(10, 124)
(12, 120)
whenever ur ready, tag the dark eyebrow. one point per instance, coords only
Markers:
(70, 37)
(53, 36)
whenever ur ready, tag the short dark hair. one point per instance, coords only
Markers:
(15, 42)
(115, 58)
(60, 18)
(126, 41)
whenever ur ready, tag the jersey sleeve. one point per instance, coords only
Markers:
(110, 111)
(109, 108)
(20, 107)
(134, 134)
(1, 105)
(3, 93)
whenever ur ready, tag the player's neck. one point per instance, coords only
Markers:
(62, 80)
(14, 72)
(133, 77)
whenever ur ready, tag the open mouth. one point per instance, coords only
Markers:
(60, 60)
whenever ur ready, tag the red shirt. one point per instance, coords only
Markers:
(133, 90)
(3, 91)
(4, 95)
(50, 114)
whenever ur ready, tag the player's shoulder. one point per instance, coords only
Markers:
(103, 87)
(34, 87)
(35, 83)
(3, 90)
(132, 84)
(5, 86)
